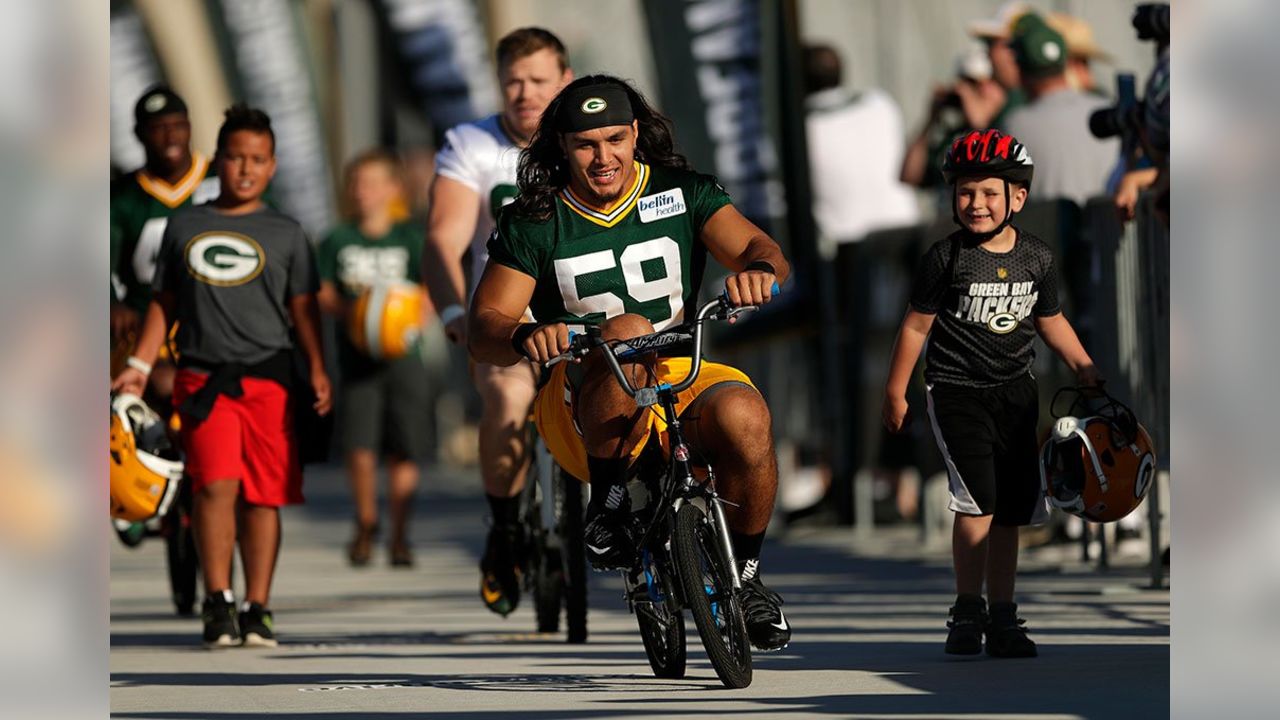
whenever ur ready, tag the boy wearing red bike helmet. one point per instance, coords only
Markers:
(980, 297)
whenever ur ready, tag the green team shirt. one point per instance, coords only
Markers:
(353, 262)
(140, 208)
(644, 256)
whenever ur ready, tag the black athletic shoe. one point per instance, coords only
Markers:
(257, 626)
(968, 620)
(360, 549)
(1007, 634)
(220, 622)
(766, 625)
(499, 570)
(608, 539)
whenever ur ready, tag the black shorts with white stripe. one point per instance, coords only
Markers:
(987, 437)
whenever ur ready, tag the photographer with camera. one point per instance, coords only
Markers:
(972, 101)
(1142, 125)
(987, 87)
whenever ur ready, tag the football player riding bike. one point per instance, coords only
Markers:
(611, 228)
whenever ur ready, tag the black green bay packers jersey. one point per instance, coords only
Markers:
(644, 255)
(140, 208)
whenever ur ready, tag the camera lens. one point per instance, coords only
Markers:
(1106, 123)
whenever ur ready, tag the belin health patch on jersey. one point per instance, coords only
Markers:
(662, 205)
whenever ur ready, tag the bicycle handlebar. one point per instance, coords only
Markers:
(717, 309)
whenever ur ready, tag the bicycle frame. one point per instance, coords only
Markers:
(681, 485)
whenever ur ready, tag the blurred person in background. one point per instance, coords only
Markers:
(855, 185)
(239, 279)
(475, 177)
(384, 404)
(141, 202)
(980, 298)
(1153, 141)
(1070, 163)
(174, 176)
(603, 192)
(989, 109)
(987, 87)
(1082, 51)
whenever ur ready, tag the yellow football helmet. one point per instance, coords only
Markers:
(386, 321)
(145, 467)
(1099, 463)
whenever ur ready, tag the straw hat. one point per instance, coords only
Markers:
(1079, 36)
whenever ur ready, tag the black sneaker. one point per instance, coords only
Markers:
(968, 620)
(499, 570)
(1007, 634)
(608, 539)
(219, 616)
(257, 626)
(766, 625)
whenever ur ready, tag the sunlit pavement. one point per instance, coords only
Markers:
(379, 642)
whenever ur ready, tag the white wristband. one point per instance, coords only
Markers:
(451, 313)
(138, 364)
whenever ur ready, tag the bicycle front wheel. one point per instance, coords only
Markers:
(708, 589)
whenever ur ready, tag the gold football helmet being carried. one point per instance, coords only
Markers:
(386, 321)
(1097, 464)
(145, 467)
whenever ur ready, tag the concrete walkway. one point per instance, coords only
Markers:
(383, 643)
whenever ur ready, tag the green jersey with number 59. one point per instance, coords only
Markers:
(644, 255)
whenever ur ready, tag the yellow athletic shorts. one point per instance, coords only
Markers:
(554, 414)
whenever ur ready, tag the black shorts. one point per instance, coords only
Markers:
(988, 439)
(388, 410)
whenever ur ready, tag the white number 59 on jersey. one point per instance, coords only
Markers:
(670, 286)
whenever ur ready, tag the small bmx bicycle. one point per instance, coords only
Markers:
(686, 558)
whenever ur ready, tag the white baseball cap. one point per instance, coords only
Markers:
(1000, 26)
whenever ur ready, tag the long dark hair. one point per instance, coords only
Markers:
(544, 169)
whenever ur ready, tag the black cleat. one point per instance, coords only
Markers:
(968, 620)
(608, 539)
(499, 570)
(1007, 634)
(767, 626)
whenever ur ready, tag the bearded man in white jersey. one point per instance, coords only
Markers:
(475, 177)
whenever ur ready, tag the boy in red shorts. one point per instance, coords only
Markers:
(235, 275)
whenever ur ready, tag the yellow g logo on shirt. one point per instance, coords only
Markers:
(224, 258)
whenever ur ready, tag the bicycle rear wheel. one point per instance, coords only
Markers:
(543, 565)
(180, 550)
(708, 590)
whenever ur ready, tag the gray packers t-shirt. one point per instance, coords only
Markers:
(984, 334)
(232, 276)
